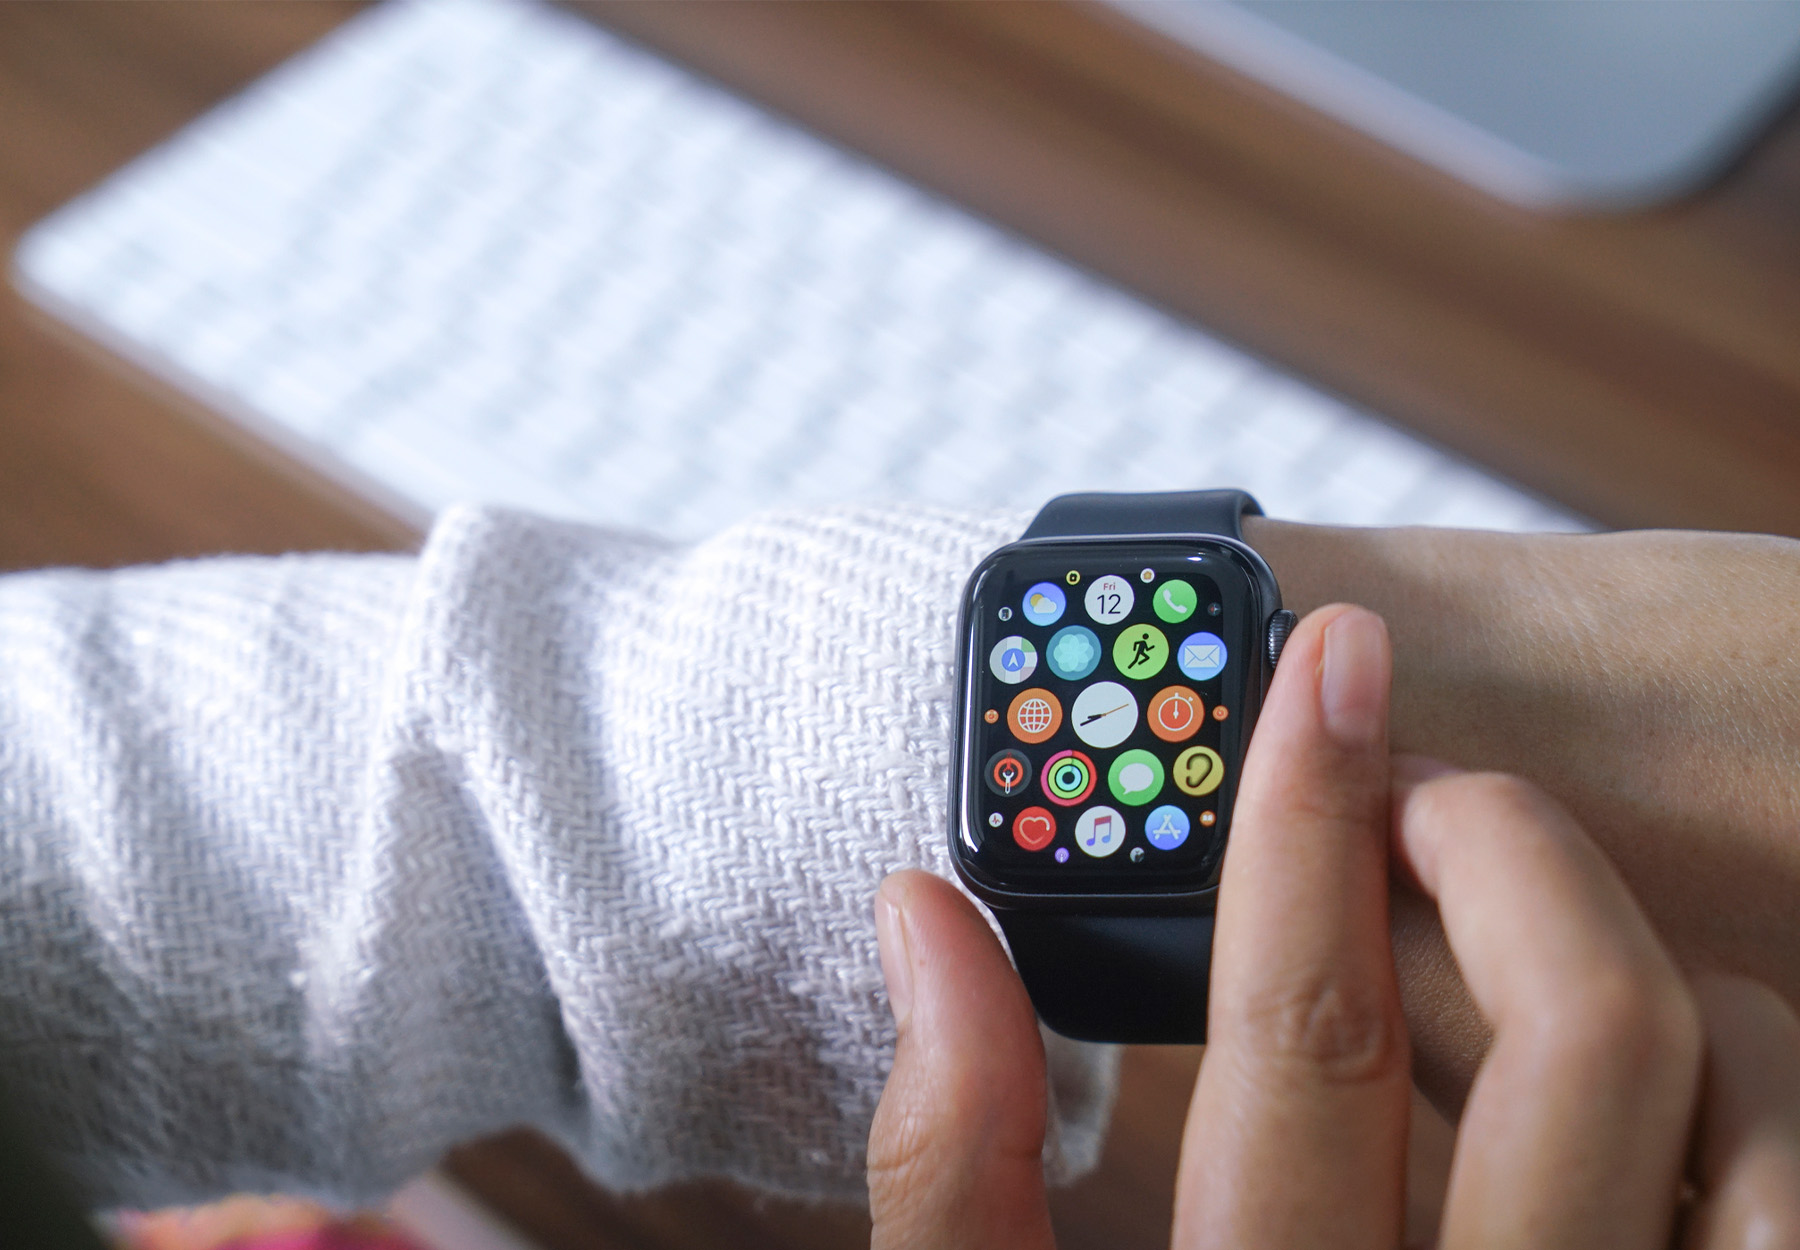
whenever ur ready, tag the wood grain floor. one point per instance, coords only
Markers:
(1643, 369)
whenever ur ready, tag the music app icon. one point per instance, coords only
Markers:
(1100, 831)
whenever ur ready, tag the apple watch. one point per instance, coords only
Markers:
(1111, 664)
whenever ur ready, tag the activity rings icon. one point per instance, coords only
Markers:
(1068, 778)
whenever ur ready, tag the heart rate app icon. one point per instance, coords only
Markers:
(1034, 828)
(1035, 715)
(1008, 772)
(1068, 777)
(1175, 713)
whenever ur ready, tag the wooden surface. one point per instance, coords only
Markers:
(1643, 369)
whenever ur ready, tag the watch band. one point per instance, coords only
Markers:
(1217, 512)
(1138, 979)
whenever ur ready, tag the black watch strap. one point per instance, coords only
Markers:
(1136, 979)
(1218, 512)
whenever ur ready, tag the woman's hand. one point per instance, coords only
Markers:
(1613, 1087)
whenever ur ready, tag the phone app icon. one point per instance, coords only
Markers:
(1201, 656)
(1100, 831)
(1013, 659)
(1068, 777)
(1166, 827)
(1109, 599)
(1175, 601)
(1044, 603)
(1104, 714)
(1135, 778)
(1175, 713)
(1034, 828)
(1074, 652)
(1035, 715)
(1008, 772)
(1198, 770)
(1140, 651)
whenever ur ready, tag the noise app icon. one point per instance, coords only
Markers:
(1008, 773)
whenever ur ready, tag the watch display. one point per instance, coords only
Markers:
(1108, 695)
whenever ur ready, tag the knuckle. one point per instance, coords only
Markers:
(1638, 1023)
(1325, 1029)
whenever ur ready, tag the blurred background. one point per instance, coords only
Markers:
(295, 275)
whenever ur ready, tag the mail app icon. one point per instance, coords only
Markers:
(1201, 656)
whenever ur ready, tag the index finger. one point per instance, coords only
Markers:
(1297, 1133)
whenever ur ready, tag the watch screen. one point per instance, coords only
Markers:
(1104, 713)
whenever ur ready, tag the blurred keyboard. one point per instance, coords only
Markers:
(482, 249)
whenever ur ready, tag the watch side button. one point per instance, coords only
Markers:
(1280, 626)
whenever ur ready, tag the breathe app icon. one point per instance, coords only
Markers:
(1109, 599)
(1044, 603)
(1201, 656)
(1104, 714)
(1198, 770)
(1035, 715)
(1013, 659)
(1175, 601)
(1100, 831)
(1140, 651)
(1074, 652)
(1068, 777)
(1135, 778)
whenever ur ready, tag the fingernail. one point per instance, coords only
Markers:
(896, 963)
(1353, 679)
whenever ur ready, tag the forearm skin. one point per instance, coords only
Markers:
(1648, 680)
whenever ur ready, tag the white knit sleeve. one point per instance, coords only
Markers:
(313, 866)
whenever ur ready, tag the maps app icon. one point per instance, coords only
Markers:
(1202, 656)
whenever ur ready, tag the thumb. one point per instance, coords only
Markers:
(956, 1150)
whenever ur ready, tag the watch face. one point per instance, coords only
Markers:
(1108, 695)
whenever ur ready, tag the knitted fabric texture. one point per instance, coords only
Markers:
(311, 867)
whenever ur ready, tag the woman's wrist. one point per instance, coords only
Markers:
(1646, 679)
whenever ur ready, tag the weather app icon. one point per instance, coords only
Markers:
(1202, 656)
(1074, 652)
(1044, 603)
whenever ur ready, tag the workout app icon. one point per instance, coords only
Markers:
(1140, 651)
(1034, 828)
(1044, 603)
(1109, 599)
(1035, 715)
(1013, 659)
(1166, 827)
(1100, 831)
(1175, 713)
(1201, 656)
(1068, 777)
(1074, 652)
(1175, 601)
(1104, 714)
(1135, 778)
(1008, 772)
(1198, 770)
